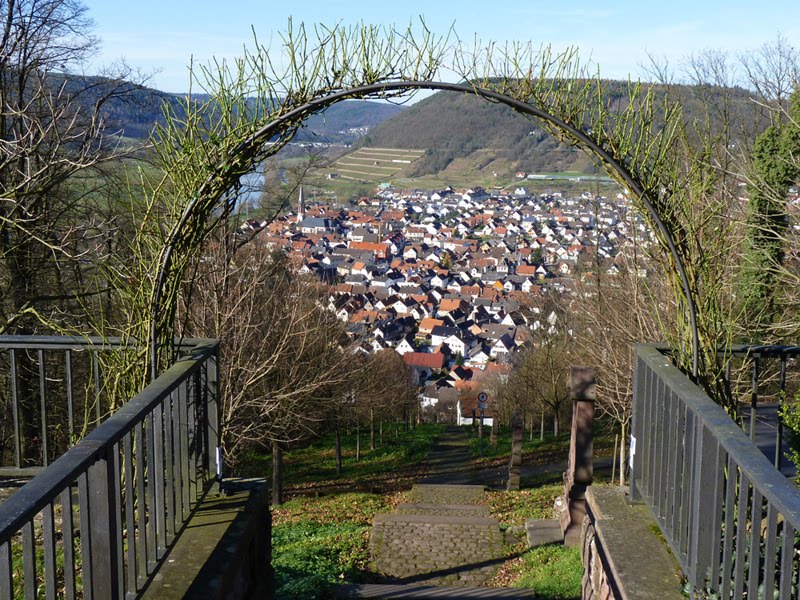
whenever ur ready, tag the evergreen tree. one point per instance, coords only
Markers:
(775, 168)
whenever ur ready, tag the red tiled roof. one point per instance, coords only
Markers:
(424, 359)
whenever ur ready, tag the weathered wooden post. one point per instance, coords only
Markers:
(516, 452)
(579, 472)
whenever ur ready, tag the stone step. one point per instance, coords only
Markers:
(455, 510)
(435, 519)
(400, 592)
(434, 493)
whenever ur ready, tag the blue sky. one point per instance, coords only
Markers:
(162, 36)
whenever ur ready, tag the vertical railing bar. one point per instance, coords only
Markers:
(741, 535)
(160, 503)
(654, 448)
(169, 462)
(96, 376)
(779, 428)
(195, 437)
(131, 579)
(754, 399)
(636, 420)
(701, 500)
(677, 464)
(6, 572)
(184, 446)
(716, 514)
(682, 541)
(116, 472)
(787, 561)
(730, 526)
(29, 561)
(141, 530)
(15, 409)
(70, 407)
(68, 537)
(177, 469)
(49, 543)
(85, 535)
(753, 570)
(770, 549)
(661, 451)
(672, 451)
(43, 405)
(211, 410)
(152, 506)
(645, 441)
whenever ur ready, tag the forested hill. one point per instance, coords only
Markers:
(135, 111)
(452, 126)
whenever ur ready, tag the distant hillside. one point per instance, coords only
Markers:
(456, 129)
(135, 112)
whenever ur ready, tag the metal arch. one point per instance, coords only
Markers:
(304, 110)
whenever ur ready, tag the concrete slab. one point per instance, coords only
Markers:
(215, 546)
(640, 563)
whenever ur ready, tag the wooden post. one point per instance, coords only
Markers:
(581, 447)
(516, 451)
(277, 474)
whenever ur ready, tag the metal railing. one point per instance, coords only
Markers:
(764, 373)
(53, 391)
(98, 520)
(729, 515)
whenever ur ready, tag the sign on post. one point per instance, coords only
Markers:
(483, 400)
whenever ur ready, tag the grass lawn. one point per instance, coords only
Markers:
(392, 466)
(318, 542)
(554, 571)
(320, 537)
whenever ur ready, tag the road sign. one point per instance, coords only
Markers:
(483, 399)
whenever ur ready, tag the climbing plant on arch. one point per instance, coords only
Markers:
(257, 104)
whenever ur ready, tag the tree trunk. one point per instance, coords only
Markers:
(30, 416)
(277, 474)
(358, 442)
(338, 451)
(380, 432)
(622, 456)
(530, 429)
(541, 427)
(555, 424)
(493, 433)
(371, 429)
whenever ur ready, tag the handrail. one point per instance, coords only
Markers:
(728, 514)
(19, 508)
(48, 377)
(132, 482)
(732, 439)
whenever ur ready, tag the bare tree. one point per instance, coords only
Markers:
(619, 311)
(284, 361)
(382, 389)
(53, 139)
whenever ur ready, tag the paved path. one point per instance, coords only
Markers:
(444, 536)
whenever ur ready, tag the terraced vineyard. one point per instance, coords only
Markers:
(375, 164)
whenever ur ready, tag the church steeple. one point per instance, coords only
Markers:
(301, 206)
